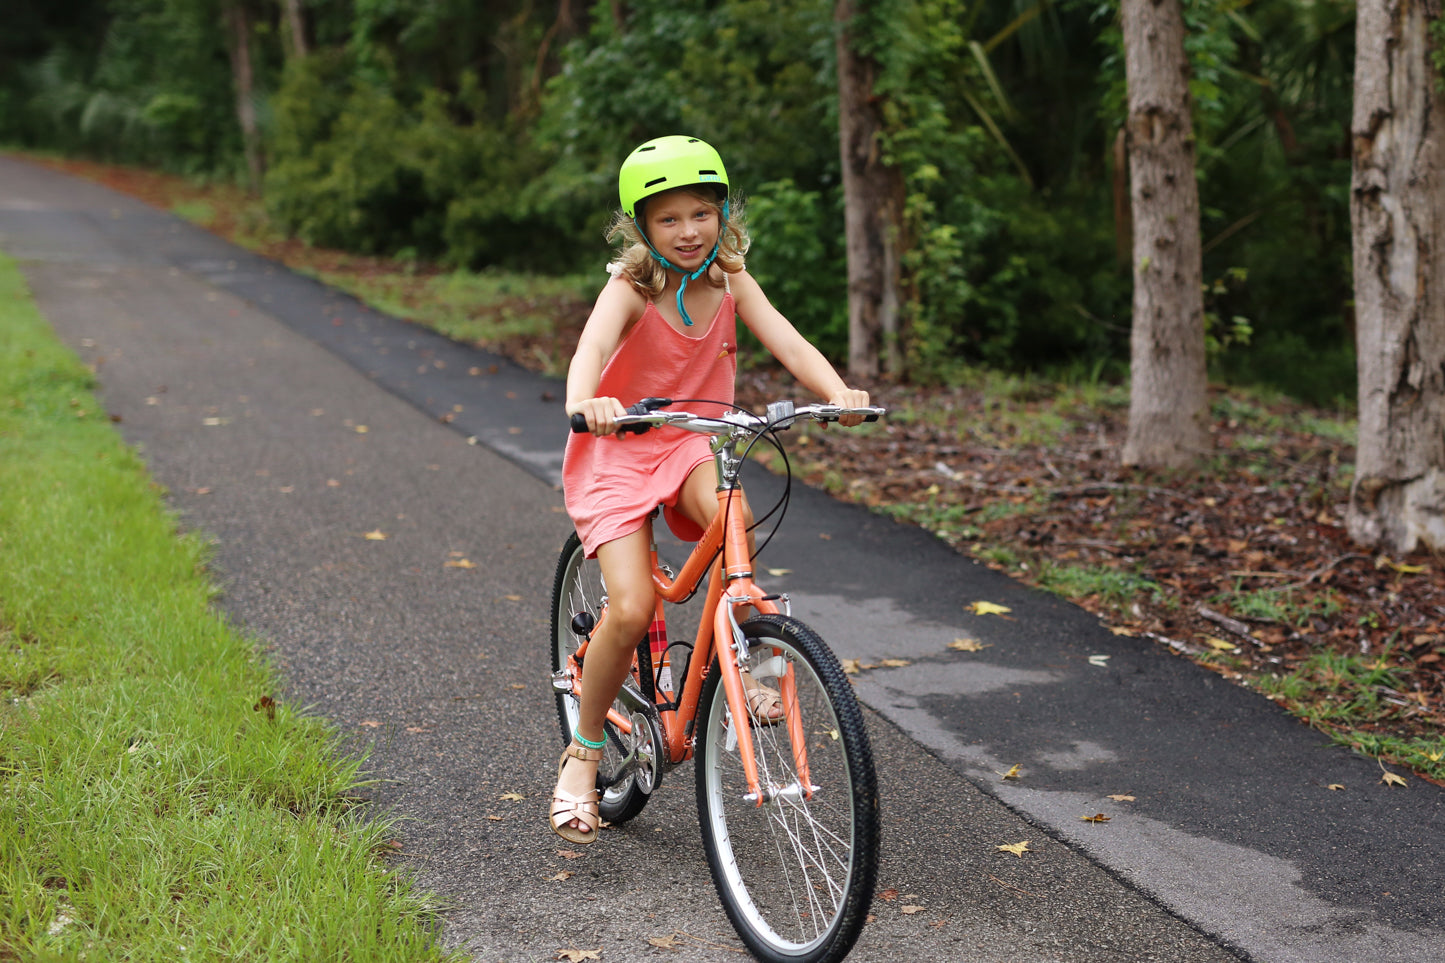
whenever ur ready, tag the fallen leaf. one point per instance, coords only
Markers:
(888, 895)
(496, 819)
(1336, 786)
(989, 608)
(370, 723)
(1122, 797)
(1219, 645)
(375, 535)
(418, 728)
(779, 572)
(852, 666)
(910, 910)
(569, 854)
(566, 874)
(1096, 818)
(664, 942)
(1013, 773)
(460, 563)
(577, 956)
(362, 429)
(1120, 630)
(267, 705)
(1018, 849)
(1099, 661)
(968, 645)
(894, 663)
(512, 796)
(519, 685)
(1391, 779)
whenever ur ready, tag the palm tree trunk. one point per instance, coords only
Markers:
(1398, 217)
(873, 213)
(1168, 395)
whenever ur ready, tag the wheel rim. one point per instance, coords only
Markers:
(788, 865)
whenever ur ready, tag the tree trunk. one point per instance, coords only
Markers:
(873, 212)
(238, 24)
(1397, 211)
(1168, 401)
(296, 27)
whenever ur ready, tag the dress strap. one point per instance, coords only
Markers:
(727, 284)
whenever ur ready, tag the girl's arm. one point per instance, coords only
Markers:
(617, 307)
(797, 353)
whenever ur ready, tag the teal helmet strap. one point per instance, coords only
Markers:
(682, 288)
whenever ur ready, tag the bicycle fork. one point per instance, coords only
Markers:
(726, 627)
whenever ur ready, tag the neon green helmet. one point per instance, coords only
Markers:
(667, 162)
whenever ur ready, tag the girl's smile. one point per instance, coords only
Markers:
(682, 226)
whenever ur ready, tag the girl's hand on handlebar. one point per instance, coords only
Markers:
(601, 413)
(850, 398)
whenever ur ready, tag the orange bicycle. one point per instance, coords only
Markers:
(788, 805)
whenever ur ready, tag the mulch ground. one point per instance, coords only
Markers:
(1242, 565)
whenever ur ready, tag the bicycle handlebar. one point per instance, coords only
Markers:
(644, 416)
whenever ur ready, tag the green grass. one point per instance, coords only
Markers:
(1114, 589)
(1344, 695)
(152, 806)
(1284, 605)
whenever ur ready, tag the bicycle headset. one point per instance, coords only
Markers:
(661, 165)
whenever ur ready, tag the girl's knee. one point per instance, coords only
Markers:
(631, 612)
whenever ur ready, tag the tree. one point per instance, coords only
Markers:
(1167, 396)
(238, 31)
(872, 202)
(1398, 218)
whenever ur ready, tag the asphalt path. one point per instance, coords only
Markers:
(288, 421)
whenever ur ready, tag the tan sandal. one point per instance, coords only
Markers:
(765, 705)
(567, 806)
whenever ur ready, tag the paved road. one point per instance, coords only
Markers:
(247, 389)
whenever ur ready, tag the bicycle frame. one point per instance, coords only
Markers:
(730, 588)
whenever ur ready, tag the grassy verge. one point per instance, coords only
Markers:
(155, 803)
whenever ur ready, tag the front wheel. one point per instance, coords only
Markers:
(795, 874)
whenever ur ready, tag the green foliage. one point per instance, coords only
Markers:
(156, 90)
(425, 127)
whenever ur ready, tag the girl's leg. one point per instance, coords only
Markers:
(626, 565)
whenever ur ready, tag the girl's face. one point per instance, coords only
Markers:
(682, 225)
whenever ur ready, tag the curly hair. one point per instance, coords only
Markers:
(636, 263)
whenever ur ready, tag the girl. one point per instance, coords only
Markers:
(641, 340)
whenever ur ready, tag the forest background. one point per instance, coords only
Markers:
(460, 147)
(488, 136)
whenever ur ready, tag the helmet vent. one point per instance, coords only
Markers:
(655, 181)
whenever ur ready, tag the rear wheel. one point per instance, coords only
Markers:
(578, 597)
(795, 874)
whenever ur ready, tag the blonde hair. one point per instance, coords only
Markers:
(636, 264)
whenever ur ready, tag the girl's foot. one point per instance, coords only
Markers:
(764, 704)
(574, 814)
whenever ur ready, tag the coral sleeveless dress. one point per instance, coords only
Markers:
(611, 484)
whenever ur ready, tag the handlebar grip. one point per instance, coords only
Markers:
(870, 417)
(579, 423)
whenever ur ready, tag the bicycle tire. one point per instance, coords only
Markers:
(795, 875)
(578, 588)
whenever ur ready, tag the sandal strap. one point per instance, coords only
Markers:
(582, 753)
